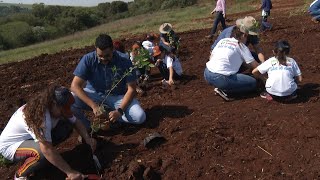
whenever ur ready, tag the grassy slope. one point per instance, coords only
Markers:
(182, 19)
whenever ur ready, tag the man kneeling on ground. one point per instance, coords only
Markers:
(98, 72)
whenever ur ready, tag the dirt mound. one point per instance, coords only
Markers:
(206, 138)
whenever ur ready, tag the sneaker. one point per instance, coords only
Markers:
(266, 95)
(221, 94)
(20, 178)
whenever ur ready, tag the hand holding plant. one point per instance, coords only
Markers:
(104, 118)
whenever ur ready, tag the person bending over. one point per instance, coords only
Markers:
(36, 127)
(225, 60)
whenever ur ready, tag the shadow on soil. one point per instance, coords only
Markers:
(157, 113)
(154, 116)
(80, 159)
(307, 92)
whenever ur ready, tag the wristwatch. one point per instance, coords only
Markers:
(120, 111)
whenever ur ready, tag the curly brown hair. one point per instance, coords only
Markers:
(35, 110)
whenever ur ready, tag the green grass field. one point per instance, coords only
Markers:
(183, 19)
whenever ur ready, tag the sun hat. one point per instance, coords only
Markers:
(165, 28)
(248, 25)
(156, 51)
(65, 99)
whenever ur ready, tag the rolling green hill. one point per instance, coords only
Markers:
(183, 19)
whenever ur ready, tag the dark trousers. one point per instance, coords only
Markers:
(264, 22)
(164, 71)
(219, 18)
(29, 151)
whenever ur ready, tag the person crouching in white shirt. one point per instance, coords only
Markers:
(168, 65)
(283, 74)
(225, 60)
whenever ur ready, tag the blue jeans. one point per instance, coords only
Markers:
(219, 18)
(234, 84)
(133, 114)
(264, 22)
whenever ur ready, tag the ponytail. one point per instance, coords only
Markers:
(282, 48)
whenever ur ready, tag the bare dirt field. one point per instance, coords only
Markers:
(206, 137)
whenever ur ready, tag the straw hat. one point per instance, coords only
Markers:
(248, 25)
(165, 28)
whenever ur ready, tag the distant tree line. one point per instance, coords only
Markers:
(22, 26)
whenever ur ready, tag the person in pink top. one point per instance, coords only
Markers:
(220, 12)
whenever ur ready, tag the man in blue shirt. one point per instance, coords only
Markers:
(252, 38)
(98, 72)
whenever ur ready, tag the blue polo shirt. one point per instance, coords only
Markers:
(226, 33)
(100, 77)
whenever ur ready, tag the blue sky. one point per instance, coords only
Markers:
(61, 2)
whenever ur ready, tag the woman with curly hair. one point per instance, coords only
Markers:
(36, 127)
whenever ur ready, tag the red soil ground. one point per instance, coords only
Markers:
(206, 138)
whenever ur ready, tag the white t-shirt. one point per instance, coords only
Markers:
(280, 80)
(17, 131)
(227, 57)
(173, 63)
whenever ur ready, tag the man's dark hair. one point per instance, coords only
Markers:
(103, 41)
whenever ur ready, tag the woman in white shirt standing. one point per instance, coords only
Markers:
(283, 74)
(225, 60)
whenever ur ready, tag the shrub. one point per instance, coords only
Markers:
(177, 3)
(17, 34)
(26, 17)
(40, 33)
